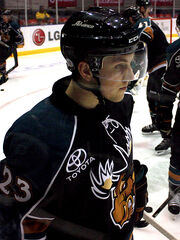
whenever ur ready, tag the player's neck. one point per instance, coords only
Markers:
(81, 96)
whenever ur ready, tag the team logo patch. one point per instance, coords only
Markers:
(177, 61)
(123, 200)
(38, 37)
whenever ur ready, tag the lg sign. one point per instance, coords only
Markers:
(38, 37)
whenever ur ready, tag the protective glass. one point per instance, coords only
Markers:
(150, 9)
(130, 66)
(178, 31)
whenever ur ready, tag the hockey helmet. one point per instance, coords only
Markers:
(94, 34)
(143, 3)
(132, 12)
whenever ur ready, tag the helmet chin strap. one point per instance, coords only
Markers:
(95, 64)
(95, 91)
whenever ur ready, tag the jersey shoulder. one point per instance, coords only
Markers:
(14, 25)
(143, 23)
(173, 48)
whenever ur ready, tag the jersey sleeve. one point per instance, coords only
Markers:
(171, 83)
(17, 35)
(170, 88)
(145, 29)
(147, 35)
(23, 181)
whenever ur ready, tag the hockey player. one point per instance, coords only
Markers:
(170, 89)
(157, 45)
(0, 15)
(69, 160)
(11, 38)
(144, 7)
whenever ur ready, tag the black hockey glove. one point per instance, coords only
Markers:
(141, 188)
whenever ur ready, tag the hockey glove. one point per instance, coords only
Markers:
(141, 188)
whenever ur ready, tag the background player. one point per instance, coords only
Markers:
(70, 157)
(144, 7)
(157, 45)
(170, 89)
(11, 38)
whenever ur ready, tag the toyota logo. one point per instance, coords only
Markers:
(76, 159)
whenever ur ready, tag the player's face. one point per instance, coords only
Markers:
(115, 74)
(146, 11)
(5, 18)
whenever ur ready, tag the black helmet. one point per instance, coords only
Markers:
(7, 12)
(132, 12)
(143, 3)
(96, 33)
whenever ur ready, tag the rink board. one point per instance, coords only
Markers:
(40, 39)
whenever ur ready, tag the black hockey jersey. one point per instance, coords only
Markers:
(170, 87)
(67, 163)
(171, 83)
(156, 42)
(11, 34)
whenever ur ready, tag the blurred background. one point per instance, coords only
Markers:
(25, 11)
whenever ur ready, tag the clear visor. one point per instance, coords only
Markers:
(150, 9)
(125, 67)
(178, 31)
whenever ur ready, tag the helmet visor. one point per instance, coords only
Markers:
(125, 67)
(177, 30)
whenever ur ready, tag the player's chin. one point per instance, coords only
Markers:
(118, 98)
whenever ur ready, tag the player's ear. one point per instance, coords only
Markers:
(131, 20)
(85, 71)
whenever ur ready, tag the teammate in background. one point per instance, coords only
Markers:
(69, 160)
(144, 7)
(157, 45)
(11, 39)
(42, 16)
(0, 15)
(170, 89)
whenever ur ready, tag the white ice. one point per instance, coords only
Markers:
(33, 80)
